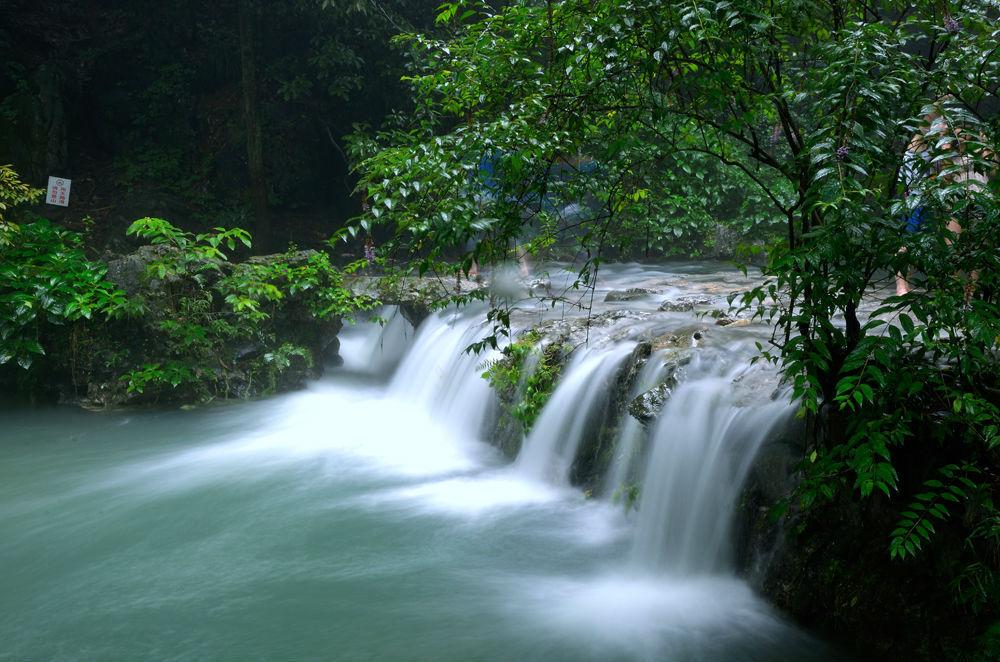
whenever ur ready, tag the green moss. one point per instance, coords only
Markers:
(524, 395)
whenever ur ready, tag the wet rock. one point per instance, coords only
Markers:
(417, 297)
(647, 406)
(636, 360)
(759, 386)
(683, 338)
(610, 318)
(628, 295)
(676, 306)
(615, 327)
(128, 272)
(102, 396)
(597, 449)
(686, 303)
(540, 287)
(774, 469)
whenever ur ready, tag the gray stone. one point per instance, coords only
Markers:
(628, 295)
(686, 303)
(646, 407)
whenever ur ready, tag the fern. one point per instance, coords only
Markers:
(916, 523)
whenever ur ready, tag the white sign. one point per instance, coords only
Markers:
(58, 191)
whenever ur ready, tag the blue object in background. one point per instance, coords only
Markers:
(917, 220)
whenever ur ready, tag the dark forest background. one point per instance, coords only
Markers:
(224, 114)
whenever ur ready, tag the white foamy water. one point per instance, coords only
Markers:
(549, 450)
(365, 518)
(703, 444)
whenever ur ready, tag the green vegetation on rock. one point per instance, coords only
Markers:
(175, 322)
(528, 372)
(522, 378)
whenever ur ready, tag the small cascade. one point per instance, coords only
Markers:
(300, 525)
(579, 399)
(703, 445)
(375, 349)
(528, 368)
(439, 375)
(632, 431)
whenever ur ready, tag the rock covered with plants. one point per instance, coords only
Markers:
(173, 322)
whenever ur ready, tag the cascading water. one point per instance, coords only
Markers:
(360, 519)
(702, 446)
(552, 445)
(376, 350)
(442, 377)
(631, 433)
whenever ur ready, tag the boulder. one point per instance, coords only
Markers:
(417, 297)
(188, 346)
(686, 303)
(628, 295)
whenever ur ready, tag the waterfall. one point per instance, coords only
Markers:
(627, 443)
(699, 449)
(703, 445)
(367, 516)
(439, 375)
(552, 444)
(376, 349)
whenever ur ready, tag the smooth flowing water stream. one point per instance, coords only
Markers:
(366, 519)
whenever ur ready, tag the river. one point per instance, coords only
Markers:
(365, 518)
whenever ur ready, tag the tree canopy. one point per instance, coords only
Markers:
(578, 123)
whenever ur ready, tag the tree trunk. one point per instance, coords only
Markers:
(251, 116)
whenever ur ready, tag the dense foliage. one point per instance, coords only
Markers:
(525, 376)
(13, 192)
(148, 106)
(542, 123)
(212, 314)
(193, 327)
(45, 278)
(532, 135)
(46, 281)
